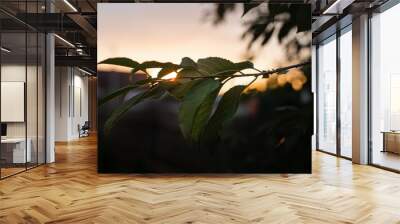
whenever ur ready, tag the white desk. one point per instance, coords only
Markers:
(19, 154)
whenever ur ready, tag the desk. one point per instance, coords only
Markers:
(13, 150)
(391, 141)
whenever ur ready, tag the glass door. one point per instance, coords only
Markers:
(326, 95)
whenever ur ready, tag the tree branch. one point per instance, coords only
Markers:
(262, 73)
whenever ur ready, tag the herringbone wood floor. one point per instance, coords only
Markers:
(71, 191)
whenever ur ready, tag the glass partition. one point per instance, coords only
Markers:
(346, 92)
(327, 95)
(22, 88)
(14, 153)
(385, 89)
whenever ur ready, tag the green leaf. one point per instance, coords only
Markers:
(117, 93)
(143, 81)
(167, 68)
(188, 63)
(244, 65)
(168, 85)
(126, 62)
(215, 65)
(212, 66)
(180, 91)
(203, 114)
(221, 66)
(152, 64)
(120, 111)
(192, 102)
(226, 109)
(187, 72)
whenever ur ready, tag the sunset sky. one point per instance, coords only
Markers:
(170, 31)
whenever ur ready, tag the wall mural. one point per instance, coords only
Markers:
(204, 88)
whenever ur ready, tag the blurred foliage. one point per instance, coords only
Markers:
(267, 20)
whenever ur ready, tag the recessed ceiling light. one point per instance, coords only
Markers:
(337, 7)
(86, 72)
(5, 50)
(70, 5)
(64, 40)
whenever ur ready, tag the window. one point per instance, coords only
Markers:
(327, 95)
(385, 89)
(345, 92)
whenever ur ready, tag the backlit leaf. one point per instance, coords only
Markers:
(126, 62)
(221, 66)
(226, 109)
(167, 69)
(188, 72)
(180, 91)
(203, 114)
(188, 63)
(117, 93)
(244, 65)
(192, 102)
(152, 64)
(120, 111)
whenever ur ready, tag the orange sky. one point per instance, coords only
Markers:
(170, 31)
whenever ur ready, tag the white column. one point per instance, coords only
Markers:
(50, 91)
(360, 89)
(50, 98)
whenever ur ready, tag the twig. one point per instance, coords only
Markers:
(263, 73)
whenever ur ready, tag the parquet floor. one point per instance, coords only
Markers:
(70, 191)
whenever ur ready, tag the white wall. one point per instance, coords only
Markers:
(33, 126)
(16, 73)
(71, 102)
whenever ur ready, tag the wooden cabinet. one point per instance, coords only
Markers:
(391, 142)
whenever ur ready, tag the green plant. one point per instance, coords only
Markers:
(196, 86)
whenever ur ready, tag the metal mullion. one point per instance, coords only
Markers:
(26, 89)
(45, 89)
(338, 92)
(37, 91)
(369, 91)
(317, 97)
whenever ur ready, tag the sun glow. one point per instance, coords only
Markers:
(170, 76)
(153, 72)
